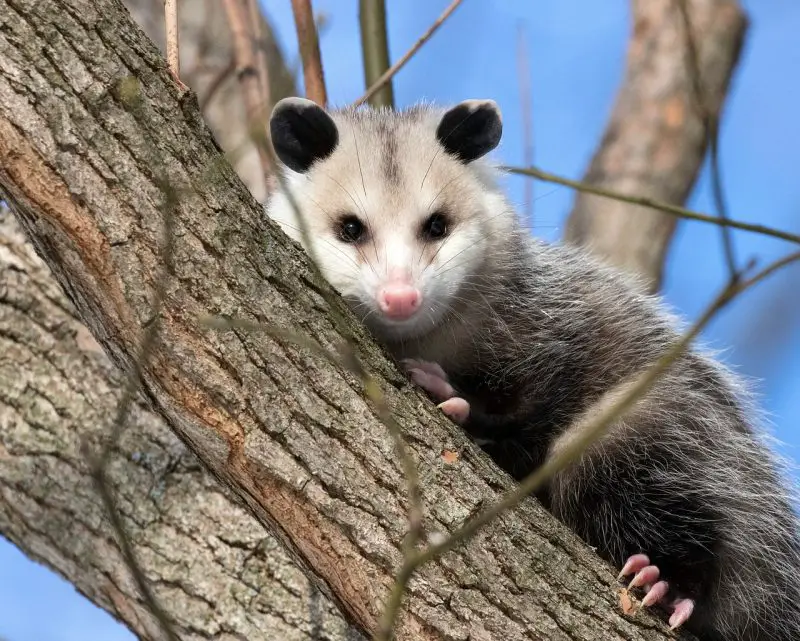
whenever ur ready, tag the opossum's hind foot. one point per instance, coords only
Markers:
(647, 576)
(433, 379)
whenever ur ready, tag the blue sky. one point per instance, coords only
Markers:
(576, 52)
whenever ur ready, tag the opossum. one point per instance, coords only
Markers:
(517, 338)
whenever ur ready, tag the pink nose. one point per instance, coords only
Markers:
(398, 300)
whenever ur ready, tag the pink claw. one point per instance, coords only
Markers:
(683, 610)
(456, 408)
(634, 564)
(648, 575)
(656, 593)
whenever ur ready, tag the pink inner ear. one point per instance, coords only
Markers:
(399, 301)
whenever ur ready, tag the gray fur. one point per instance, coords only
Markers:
(532, 334)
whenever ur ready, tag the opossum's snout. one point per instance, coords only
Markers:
(399, 300)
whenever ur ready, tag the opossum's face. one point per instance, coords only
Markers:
(400, 211)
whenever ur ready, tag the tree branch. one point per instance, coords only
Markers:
(650, 203)
(212, 566)
(308, 39)
(655, 142)
(375, 51)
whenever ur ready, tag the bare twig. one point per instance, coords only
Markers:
(711, 124)
(527, 118)
(674, 210)
(397, 66)
(603, 415)
(308, 39)
(171, 21)
(247, 72)
(375, 50)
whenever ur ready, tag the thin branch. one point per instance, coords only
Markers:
(603, 415)
(308, 39)
(173, 51)
(375, 50)
(247, 72)
(674, 210)
(397, 66)
(527, 118)
(711, 124)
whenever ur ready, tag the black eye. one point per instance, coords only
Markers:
(351, 229)
(435, 227)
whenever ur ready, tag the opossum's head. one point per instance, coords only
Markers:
(400, 207)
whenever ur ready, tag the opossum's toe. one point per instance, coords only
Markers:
(437, 387)
(634, 564)
(683, 609)
(655, 593)
(456, 408)
(647, 576)
(430, 377)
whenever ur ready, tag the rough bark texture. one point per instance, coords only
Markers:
(83, 150)
(655, 142)
(219, 574)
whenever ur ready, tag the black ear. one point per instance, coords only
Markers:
(302, 133)
(471, 129)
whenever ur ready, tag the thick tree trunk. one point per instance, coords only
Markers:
(84, 153)
(220, 575)
(655, 142)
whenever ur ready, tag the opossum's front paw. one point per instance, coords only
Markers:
(433, 379)
(647, 576)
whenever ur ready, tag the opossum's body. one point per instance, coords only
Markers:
(409, 225)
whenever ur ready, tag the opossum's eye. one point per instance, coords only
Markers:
(435, 227)
(351, 230)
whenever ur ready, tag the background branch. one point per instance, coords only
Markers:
(655, 141)
(375, 50)
(308, 39)
(650, 203)
(710, 119)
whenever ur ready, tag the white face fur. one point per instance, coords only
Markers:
(400, 208)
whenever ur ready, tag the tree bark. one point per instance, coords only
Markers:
(220, 575)
(84, 154)
(655, 142)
